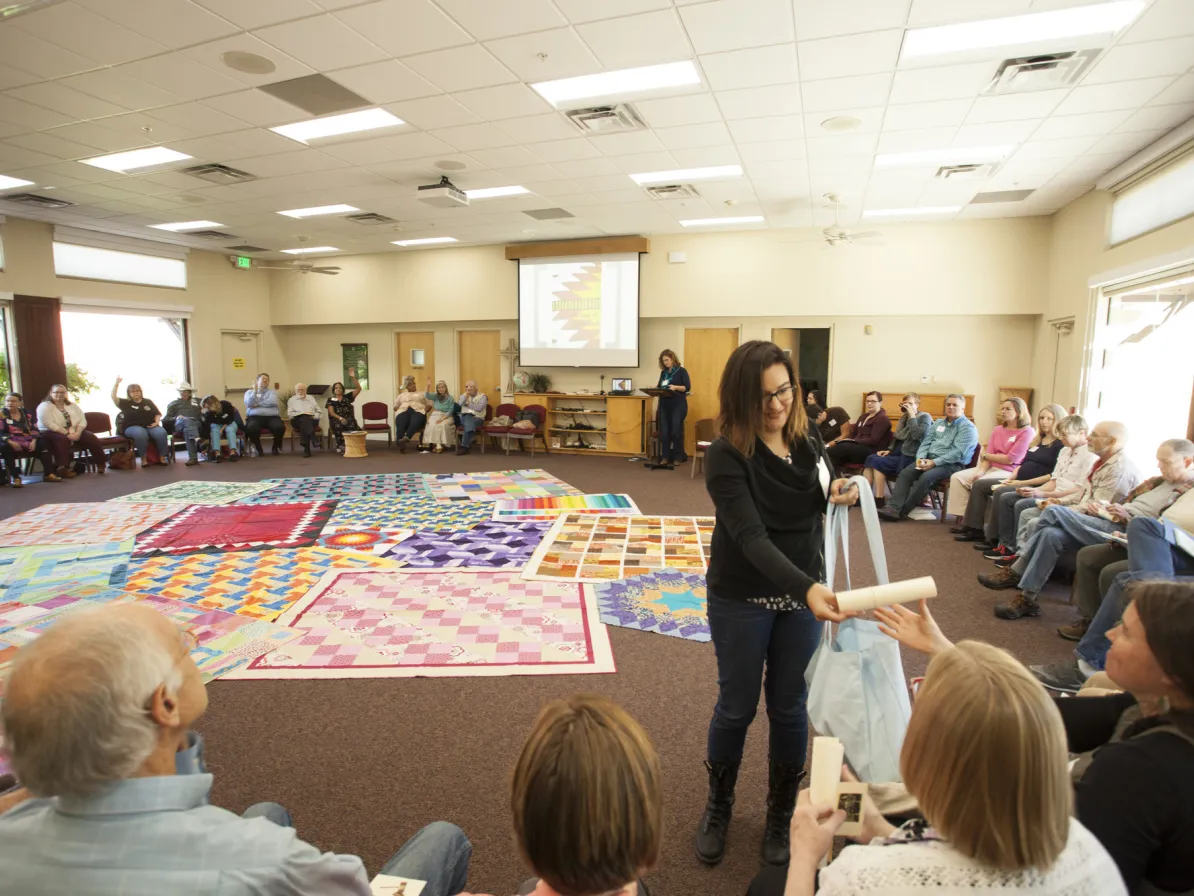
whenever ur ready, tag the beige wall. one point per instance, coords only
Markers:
(222, 296)
(1079, 252)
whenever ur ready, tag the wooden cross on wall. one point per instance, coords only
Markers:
(510, 353)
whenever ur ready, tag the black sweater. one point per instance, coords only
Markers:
(768, 538)
(1137, 795)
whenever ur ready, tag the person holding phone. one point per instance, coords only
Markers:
(909, 431)
(771, 482)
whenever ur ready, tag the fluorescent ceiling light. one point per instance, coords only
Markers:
(1058, 24)
(335, 125)
(494, 192)
(901, 212)
(426, 241)
(7, 183)
(319, 210)
(136, 158)
(628, 80)
(709, 222)
(952, 155)
(309, 250)
(684, 175)
(186, 225)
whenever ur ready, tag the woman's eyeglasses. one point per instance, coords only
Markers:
(783, 395)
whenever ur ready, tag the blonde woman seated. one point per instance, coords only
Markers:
(440, 429)
(985, 757)
(1003, 452)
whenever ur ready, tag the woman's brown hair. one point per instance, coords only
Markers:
(587, 797)
(985, 756)
(1166, 611)
(1023, 415)
(668, 353)
(740, 395)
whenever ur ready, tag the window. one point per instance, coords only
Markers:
(91, 263)
(1142, 365)
(1162, 198)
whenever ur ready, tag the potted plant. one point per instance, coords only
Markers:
(540, 382)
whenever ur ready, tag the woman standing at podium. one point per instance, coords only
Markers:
(673, 408)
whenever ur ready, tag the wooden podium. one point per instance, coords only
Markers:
(619, 421)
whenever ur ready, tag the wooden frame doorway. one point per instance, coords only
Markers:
(477, 359)
(414, 355)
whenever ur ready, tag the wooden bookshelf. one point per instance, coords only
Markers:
(621, 418)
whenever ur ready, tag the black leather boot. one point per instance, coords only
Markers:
(783, 782)
(715, 823)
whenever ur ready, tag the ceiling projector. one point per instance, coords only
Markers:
(445, 194)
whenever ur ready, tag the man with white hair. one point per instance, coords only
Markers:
(472, 414)
(303, 411)
(96, 712)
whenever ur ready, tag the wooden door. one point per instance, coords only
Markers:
(788, 339)
(478, 359)
(407, 359)
(706, 350)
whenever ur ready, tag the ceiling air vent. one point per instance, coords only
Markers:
(607, 119)
(673, 191)
(370, 218)
(211, 235)
(1045, 72)
(1002, 196)
(219, 174)
(970, 171)
(37, 201)
(548, 214)
(245, 249)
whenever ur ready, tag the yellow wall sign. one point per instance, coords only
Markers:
(238, 363)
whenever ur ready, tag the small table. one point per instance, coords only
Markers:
(354, 444)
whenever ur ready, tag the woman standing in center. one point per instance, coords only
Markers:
(769, 478)
(673, 408)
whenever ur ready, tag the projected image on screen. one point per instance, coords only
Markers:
(578, 312)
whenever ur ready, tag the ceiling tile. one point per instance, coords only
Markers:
(759, 130)
(579, 11)
(79, 30)
(417, 146)
(1092, 124)
(758, 102)
(997, 133)
(1126, 143)
(45, 142)
(627, 144)
(845, 93)
(11, 77)
(945, 82)
(198, 118)
(737, 24)
(1152, 118)
(585, 167)
(646, 39)
(926, 115)
(1107, 97)
(680, 110)
(260, 142)
(367, 152)
(433, 112)
(870, 121)
(303, 162)
(855, 54)
(944, 12)
(564, 150)
(32, 54)
(816, 19)
(13, 157)
(776, 168)
(1164, 18)
(604, 183)
(503, 101)
(485, 19)
(260, 13)
(774, 150)
(384, 82)
(473, 136)
(845, 145)
(545, 55)
(103, 139)
(322, 42)
(1067, 148)
(1015, 106)
(31, 117)
(537, 128)
(403, 27)
(1180, 91)
(460, 68)
(504, 157)
(255, 107)
(691, 136)
(211, 52)
(757, 67)
(120, 89)
(57, 98)
(172, 23)
(181, 75)
(645, 161)
(140, 125)
(1144, 60)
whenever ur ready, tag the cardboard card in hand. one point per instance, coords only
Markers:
(851, 795)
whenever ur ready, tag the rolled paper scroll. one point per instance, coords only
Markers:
(826, 770)
(884, 595)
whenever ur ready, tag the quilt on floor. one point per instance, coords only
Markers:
(668, 601)
(260, 584)
(28, 574)
(362, 539)
(237, 527)
(96, 523)
(499, 485)
(331, 488)
(489, 544)
(411, 512)
(443, 623)
(594, 548)
(527, 510)
(196, 491)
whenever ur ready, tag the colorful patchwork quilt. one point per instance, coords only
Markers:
(30, 574)
(97, 523)
(497, 486)
(411, 512)
(237, 527)
(332, 488)
(495, 545)
(527, 510)
(667, 601)
(196, 491)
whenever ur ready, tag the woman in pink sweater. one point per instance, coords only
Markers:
(1003, 453)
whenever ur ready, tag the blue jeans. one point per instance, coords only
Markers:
(469, 424)
(230, 430)
(912, 486)
(1009, 506)
(1059, 530)
(672, 412)
(747, 638)
(189, 427)
(141, 436)
(890, 464)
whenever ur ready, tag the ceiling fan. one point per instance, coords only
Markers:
(300, 267)
(835, 234)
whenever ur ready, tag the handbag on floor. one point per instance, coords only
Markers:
(856, 686)
(122, 460)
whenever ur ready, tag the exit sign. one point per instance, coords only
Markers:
(244, 261)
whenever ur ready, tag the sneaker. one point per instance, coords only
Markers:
(887, 514)
(968, 534)
(1018, 608)
(1076, 631)
(1000, 579)
(1065, 677)
(191, 462)
(1009, 560)
(985, 545)
(997, 553)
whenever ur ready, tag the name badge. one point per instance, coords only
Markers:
(832, 423)
(1012, 440)
(940, 429)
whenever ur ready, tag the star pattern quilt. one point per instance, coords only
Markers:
(668, 601)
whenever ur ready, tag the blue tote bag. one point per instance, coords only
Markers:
(856, 686)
